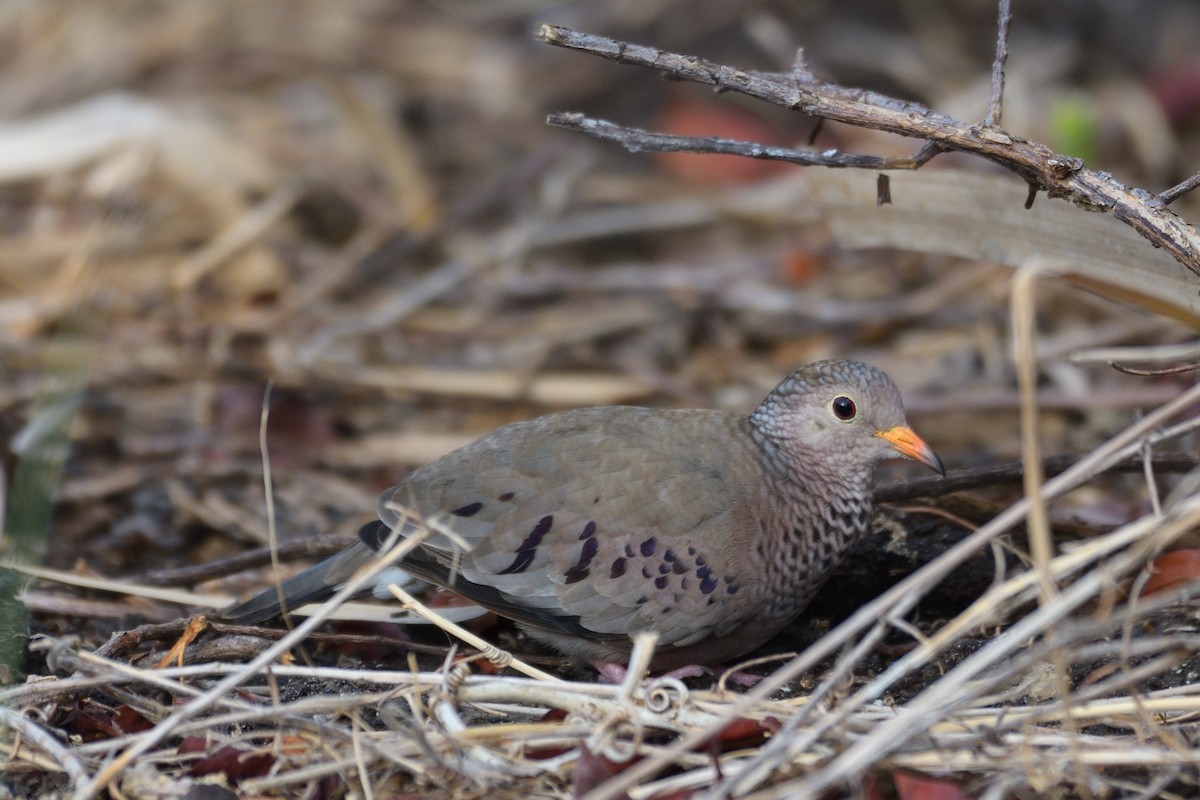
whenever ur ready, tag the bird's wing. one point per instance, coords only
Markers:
(599, 523)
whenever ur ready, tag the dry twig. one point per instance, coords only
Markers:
(1042, 168)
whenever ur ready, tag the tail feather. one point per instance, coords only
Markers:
(318, 582)
(321, 581)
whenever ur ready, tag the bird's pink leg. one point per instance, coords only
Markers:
(612, 672)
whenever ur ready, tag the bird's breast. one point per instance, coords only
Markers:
(805, 543)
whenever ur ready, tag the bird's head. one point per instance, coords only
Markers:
(843, 415)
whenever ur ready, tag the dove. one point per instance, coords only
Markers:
(711, 529)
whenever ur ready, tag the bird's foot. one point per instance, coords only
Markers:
(612, 672)
(744, 680)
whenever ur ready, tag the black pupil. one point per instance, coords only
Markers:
(844, 408)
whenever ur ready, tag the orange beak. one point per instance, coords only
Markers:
(908, 444)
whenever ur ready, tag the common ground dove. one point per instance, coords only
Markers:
(711, 528)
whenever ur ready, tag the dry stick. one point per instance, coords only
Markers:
(1013, 472)
(214, 695)
(269, 498)
(39, 736)
(635, 140)
(774, 754)
(501, 658)
(920, 714)
(929, 706)
(1038, 165)
(1153, 373)
(1011, 592)
(995, 106)
(1150, 353)
(1177, 191)
(1041, 548)
(897, 601)
(785, 743)
(303, 711)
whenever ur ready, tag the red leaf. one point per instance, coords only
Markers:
(872, 790)
(740, 733)
(743, 732)
(687, 116)
(799, 267)
(90, 721)
(1171, 569)
(592, 770)
(235, 763)
(915, 786)
(192, 744)
(553, 715)
(131, 721)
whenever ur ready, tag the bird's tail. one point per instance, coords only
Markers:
(318, 582)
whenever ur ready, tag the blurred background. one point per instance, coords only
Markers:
(359, 204)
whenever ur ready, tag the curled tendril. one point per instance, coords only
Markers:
(665, 694)
(619, 750)
(498, 657)
(455, 677)
(618, 735)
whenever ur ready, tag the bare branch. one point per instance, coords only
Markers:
(1177, 191)
(1045, 170)
(995, 107)
(1012, 472)
(636, 140)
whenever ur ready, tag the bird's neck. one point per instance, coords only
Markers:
(800, 468)
(820, 510)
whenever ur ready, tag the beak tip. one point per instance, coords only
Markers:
(905, 442)
(937, 466)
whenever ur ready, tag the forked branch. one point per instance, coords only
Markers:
(1042, 168)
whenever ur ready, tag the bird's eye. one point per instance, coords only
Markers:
(844, 408)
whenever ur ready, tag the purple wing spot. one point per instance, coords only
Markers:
(663, 569)
(661, 582)
(733, 589)
(683, 584)
(590, 548)
(582, 567)
(646, 573)
(701, 561)
(618, 568)
(669, 555)
(589, 531)
(520, 563)
(469, 510)
(703, 572)
(577, 573)
(504, 498)
(708, 586)
(648, 546)
(691, 551)
(628, 551)
(528, 548)
(679, 568)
